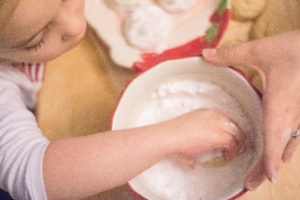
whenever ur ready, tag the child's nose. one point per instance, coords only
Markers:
(71, 19)
(73, 31)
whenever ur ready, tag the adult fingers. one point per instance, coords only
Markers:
(241, 54)
(290, 149)
(277, 131)
(256, 176)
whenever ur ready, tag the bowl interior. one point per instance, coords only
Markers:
(136, 97)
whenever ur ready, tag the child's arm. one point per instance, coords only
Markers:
(83, 166)
(22, 146)
(79, 167)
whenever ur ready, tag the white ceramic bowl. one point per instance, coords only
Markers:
(136, 97)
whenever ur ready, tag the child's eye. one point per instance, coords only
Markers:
(36, 46)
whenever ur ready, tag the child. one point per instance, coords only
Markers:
(33, 168)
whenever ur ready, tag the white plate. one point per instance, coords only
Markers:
(187, 26)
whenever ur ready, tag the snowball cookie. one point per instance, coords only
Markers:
(125, 5)
(247, 9)
(147, 28)
(237, 32)
(175, 6)
(279, 16)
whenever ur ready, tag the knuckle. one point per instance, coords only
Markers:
(229, 53)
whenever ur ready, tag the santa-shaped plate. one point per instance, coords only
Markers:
(193, 30)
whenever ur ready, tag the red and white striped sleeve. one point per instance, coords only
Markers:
(28, 76)
(33, 71)
(22, 144)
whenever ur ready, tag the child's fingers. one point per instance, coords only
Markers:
(224, 140)
(233, 129)
(231, 149)
(188, 161)
(227, 125)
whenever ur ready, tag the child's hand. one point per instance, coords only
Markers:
(205, 130)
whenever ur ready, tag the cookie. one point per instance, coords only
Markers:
(147, 28)
(237, 32)
(247, 9)
(280, 16)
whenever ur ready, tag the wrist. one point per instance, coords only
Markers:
(168, 138)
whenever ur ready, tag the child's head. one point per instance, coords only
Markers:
(39, 30)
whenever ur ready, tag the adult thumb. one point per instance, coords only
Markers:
(241, 54)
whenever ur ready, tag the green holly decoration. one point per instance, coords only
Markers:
(222, 7)
(212, 32)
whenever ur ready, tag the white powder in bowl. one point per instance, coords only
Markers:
(168, 179)
(147, 28)
(175, 6)
(125, 5)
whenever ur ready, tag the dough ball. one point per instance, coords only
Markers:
(125, 5)
(175, 6)
(247, 9)
(147, 28)
(280, 16)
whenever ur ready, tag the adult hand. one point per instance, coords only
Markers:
(277, 59)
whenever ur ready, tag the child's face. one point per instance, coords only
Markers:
(39, 30)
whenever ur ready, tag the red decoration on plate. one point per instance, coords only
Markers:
(190, 49)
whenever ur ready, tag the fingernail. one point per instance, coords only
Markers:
(209, 52)
(273, 176)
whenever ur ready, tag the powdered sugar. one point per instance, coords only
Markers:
(168, 179)
(147, 28)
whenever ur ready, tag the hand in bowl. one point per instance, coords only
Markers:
(277, 59)
(203, 131)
